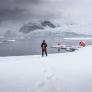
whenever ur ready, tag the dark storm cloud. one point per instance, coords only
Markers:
(7, 14)
(14, 3)
(14, 9)
(18, 9)
(32, 1)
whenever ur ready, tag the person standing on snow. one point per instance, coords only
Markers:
(59, 47)
(44, 48)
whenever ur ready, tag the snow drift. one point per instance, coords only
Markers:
(65, 72)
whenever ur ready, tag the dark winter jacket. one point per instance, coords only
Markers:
(44, 46)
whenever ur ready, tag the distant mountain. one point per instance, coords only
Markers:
(10, 34)
(48, 23)
(69, 34)
(29, 27)
(73, 34)
(57, 34)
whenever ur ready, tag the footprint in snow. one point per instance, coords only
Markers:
(39, 85)
(50, 76)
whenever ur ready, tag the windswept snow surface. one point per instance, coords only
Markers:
(63, 72)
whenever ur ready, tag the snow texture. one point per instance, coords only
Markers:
(62, 72)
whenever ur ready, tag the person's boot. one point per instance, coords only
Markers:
(46, 53)
(42, 54)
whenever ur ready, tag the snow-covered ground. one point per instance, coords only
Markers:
(62, 72)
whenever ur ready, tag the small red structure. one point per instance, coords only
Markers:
(82, 43)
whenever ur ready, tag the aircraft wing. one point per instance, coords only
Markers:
(65, 47)
(59, 46)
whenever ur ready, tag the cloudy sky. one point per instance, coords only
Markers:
(19, 10)
(14, 9)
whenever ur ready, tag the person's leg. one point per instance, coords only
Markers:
(58, 49)
(45, 52)
(42, 52)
